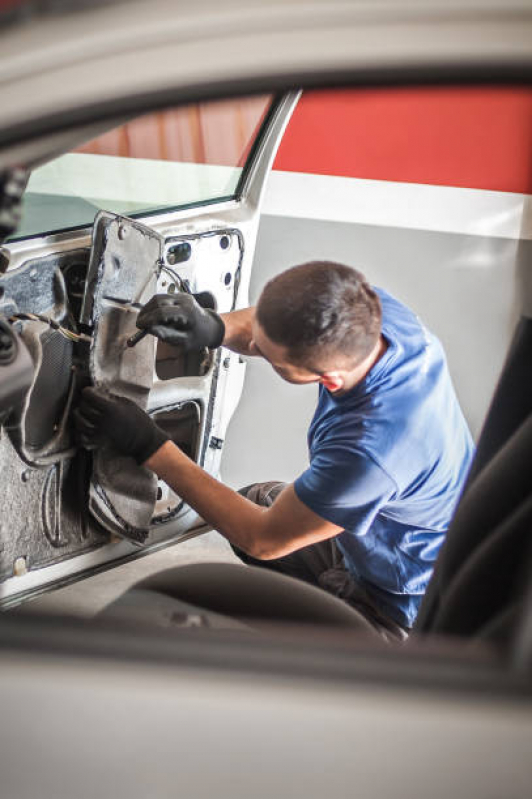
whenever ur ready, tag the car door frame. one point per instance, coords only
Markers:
(241, 213)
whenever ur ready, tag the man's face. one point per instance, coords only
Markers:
(276, 355)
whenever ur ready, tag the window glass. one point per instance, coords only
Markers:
(170, 159)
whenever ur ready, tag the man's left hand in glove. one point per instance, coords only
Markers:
(263, 533)
(104, 418)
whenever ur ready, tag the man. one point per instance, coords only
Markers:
(389, 447)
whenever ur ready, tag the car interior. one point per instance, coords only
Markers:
(74, 312)
(80, 256)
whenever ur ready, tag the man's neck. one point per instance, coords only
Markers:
(363, 369)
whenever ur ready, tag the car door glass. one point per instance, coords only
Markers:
(170, 159)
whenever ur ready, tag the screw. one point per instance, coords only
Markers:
(226, 363)
(25, 475)
(20, 567)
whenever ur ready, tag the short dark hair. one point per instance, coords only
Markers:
(319, 311)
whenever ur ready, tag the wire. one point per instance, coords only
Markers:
(68, 334)
(179, 280)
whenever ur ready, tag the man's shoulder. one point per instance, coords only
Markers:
(399, 317)
(414, 350)
(349, 431)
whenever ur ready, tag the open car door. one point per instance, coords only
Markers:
(183, 219)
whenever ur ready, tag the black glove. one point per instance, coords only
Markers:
(180, 320)
(103, 418)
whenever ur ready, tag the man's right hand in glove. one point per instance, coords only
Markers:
(180, 320)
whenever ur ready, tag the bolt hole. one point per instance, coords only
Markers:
(224, 242)
(178, 253)
(159, 493)
(2, 292)
(228, 277)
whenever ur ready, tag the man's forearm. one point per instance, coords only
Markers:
(263, 533)
(232, 515)
(238, 330)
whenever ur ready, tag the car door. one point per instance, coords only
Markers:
(164, 203)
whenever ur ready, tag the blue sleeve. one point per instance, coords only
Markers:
(345, 486)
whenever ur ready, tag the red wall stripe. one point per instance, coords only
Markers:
(473, 137)
(9, 4)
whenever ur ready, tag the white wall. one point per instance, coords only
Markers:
(462, 284)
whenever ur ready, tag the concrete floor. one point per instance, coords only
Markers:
(87, 597)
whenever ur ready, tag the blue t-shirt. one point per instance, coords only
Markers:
(388, 461)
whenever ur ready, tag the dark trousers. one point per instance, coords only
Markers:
(322, 565)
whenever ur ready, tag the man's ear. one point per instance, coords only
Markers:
(333, 381)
